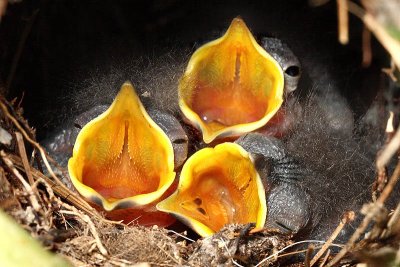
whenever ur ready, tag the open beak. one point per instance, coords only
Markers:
(122, 159)
(218, 186)
(231, 85)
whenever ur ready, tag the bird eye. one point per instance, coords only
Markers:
(77, 125)
(293, 71)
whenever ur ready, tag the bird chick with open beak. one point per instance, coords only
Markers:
(287, 180)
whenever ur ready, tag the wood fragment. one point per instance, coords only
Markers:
(347, 217)
(25, 184)
(296, 252)
(388, 42)
(389, 151)
(60, 189)
(366, 47)
(343, 21)
(171, 257)
(3, 7)
(325, 258)
(309, 252)
(392, 223)
(317, 3)
(30, 140)
(381, 178)
(390, 71)
(24, 157)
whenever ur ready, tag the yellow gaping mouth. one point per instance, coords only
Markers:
(218, 186)
(122, 159)
(231, 85)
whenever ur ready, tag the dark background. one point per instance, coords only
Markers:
(48, 46)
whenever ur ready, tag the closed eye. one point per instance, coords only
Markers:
(283, 226)
(179, 141)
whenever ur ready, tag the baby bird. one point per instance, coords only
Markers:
(311, 174)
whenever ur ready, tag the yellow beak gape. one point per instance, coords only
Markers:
(231, 85)
(218, 186)
(122, 159)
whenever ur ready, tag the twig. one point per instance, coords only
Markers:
(229, 253)
(307, 259)
(343, 21)
(387, 41)
(381, 178)
(29, 139)
(37, 160)
(292, 245)
(366, 47)
(390, 185)
(3, 7)
(316, 3)
(85, 218)
(293, 253)
(393, 221)
(49, 189)
(28, 188)
(50, 192)
(124, 263)
(60, 189)
(24, 158)
(368, 217)
(346, 218)
(63, 192)
(390, 71)
(325, 258)
(180, 235)
(390, 126)
(54, 163)
(389, 151)
(155, 264)
(168, 255)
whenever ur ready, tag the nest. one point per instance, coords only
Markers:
(65, 224)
